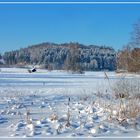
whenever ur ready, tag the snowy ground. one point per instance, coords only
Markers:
(59, 104)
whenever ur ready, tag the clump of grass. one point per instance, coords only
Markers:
(126, 92)
(133, 108)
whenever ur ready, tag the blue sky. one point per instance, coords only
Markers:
(100, 24)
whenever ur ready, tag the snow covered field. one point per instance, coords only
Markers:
(60, 104)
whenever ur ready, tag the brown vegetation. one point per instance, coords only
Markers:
(129, 57)
(129, 60)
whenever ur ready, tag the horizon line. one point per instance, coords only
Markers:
(69, 2)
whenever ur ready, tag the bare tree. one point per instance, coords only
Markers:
(135, 36)
(129, 57)
(122, 59)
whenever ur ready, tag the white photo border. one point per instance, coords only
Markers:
(70, 2)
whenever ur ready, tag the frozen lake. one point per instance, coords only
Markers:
(46, 93)
(20, 77)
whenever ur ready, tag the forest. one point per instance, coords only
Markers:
(68, 56)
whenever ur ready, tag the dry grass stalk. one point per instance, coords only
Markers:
(68, 114)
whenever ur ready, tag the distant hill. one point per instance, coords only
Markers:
(70, 56)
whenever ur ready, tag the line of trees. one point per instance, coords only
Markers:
(129, 57)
